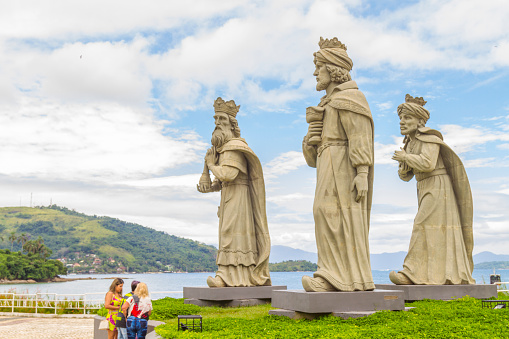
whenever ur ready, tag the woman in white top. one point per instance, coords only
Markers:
(139, 308)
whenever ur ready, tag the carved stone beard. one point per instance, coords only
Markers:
(322, 85)
(221, 136)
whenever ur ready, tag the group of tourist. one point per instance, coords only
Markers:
(127, 315)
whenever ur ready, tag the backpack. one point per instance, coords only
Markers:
(120, 320)
(135, 311)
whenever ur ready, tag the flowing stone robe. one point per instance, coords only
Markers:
(341, 223)
(244, 242)
(441, 244)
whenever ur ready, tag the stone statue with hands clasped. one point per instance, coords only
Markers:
(244, 242)
(440, 251)
(339, 143)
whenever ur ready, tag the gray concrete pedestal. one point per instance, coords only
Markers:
(298, 304)
(103, 334)
(442, 292)
(229, 296)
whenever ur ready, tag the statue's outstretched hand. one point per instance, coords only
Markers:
(360, 182)
(204, 184)
(399, 155)
(201, 188)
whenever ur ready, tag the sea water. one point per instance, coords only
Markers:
(174, 282)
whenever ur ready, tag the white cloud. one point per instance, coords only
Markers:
(97, 141)
(384, 152)
(391, 218)
(289, 197)
(186, 180)
(481, 162)
(490, 216)
(60, 19)
(464, 139)
(79, 72)
(385, 106)
(233, 46)
(301, 236)
(284, 163)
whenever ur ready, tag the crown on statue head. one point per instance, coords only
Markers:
(332, 43)
(228, 107)
(417, 100)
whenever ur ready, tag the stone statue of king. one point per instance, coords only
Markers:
(339, 144)
(440, 251)
(244, 242)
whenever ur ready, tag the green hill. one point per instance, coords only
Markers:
(102, 244)
(499, 265)
(293, 266)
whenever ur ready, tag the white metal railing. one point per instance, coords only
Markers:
(504, 283)
(56, 302)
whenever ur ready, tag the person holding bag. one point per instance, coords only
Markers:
(121, 322)
(112, 302)
(139, 308)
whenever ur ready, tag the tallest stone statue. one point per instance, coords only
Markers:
(339, 144)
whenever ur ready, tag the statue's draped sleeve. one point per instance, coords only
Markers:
(426, 160)
(232, 163)
(359, 130)
(309, 152)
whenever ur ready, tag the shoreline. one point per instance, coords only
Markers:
(53, 280)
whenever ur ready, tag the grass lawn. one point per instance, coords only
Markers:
(462, 318)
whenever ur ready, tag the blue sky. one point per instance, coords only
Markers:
(107, 106)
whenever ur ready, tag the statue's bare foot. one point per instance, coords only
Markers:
(316, 284)
(215, 282)
(399, 279)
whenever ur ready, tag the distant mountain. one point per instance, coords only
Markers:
(380, 261)
(93, 244)
(388, 261)
(280, 253)
(383, 261)
(488, 257)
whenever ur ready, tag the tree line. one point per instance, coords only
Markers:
(36, 247)
(31, 262)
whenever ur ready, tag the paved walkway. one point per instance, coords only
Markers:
(38, 328)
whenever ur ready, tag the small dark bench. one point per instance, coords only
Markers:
(187, 323)
(495, 304)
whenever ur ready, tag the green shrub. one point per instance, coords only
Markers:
(103, 312)
(462, 318)
(169, 308)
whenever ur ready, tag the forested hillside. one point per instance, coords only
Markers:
(293, 266)
(495, 265)
(87, 243)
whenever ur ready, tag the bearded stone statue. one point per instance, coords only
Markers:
(244, 242)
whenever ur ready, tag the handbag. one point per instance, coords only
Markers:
(103, 325)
